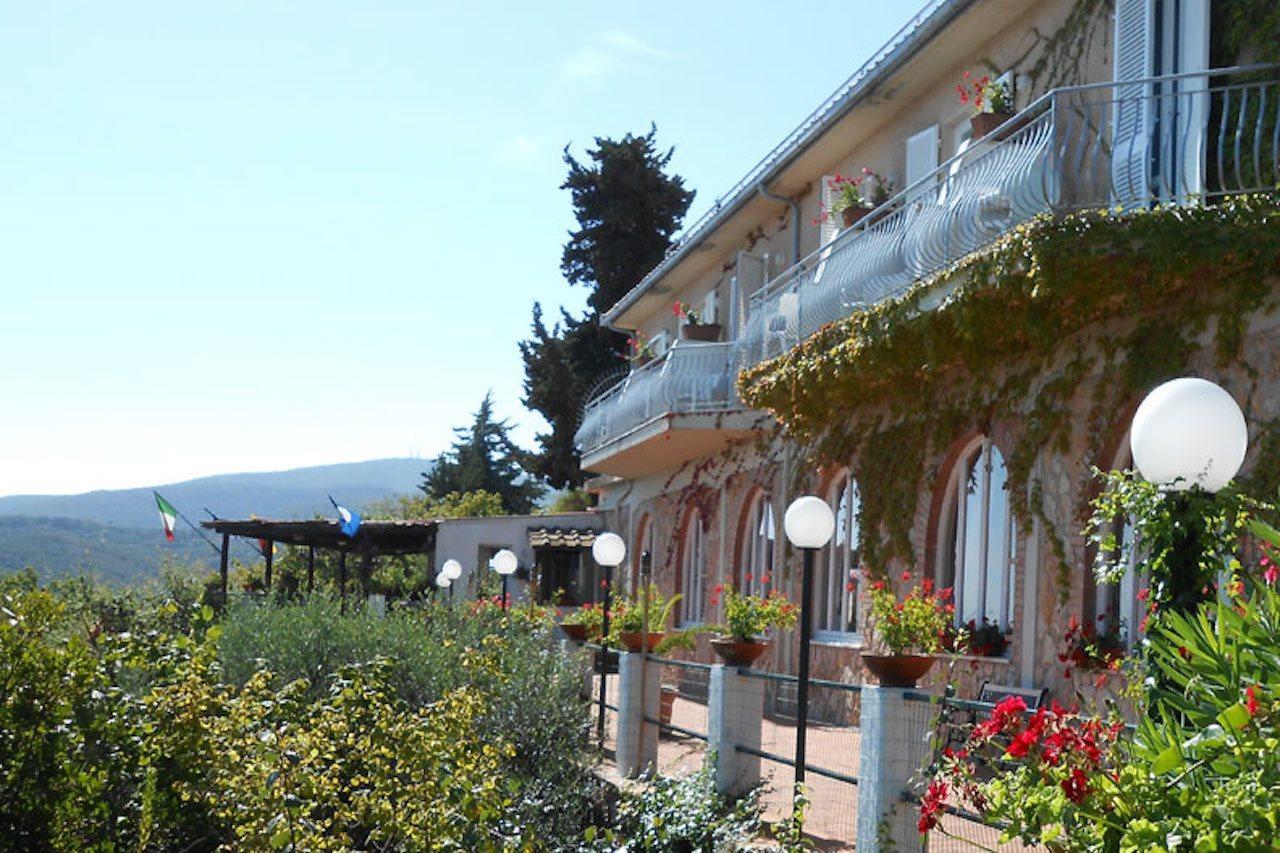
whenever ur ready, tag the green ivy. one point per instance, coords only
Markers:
(1104, 300)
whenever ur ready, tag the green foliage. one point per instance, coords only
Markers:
(627, 208)
(748, 617)
(679, 813)
(572, 500)
(473, 504)
(1024, 325)
(646, 610)
(1186, 538)
(483, 459)
(918, 622)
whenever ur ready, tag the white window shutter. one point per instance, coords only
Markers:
(922, 157)
(828, 225)
(1131, 121)
(710, 306)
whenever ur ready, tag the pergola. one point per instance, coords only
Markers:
(373, 539)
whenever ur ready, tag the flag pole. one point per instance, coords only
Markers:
(198, 531)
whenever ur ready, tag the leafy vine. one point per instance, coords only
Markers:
(1106, 302)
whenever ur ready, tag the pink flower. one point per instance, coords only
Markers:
(1271, 573)
(1251, 701)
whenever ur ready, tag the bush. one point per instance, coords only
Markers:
(530, 688)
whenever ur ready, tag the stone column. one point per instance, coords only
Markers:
(891, 750)
(735, 712)
(639, 693)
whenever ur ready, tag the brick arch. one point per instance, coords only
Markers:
(689, 515)
(938, 497)
(743, 532)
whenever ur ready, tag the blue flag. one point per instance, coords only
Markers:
(348, 521)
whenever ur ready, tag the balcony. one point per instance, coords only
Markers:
(1175, 139)
(673, 409)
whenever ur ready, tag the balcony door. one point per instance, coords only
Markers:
(1158, 128)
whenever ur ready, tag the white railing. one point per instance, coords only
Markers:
(689, 378)
(1164, 140)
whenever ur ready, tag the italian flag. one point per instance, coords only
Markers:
(168, 515)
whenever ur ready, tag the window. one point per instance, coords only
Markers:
(836, 607)
(692, 570)
(761, 544)
(980, 542)
(567, 579)
(1116, 604)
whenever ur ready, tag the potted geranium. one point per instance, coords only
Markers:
(987, 640)
(855, 197)
(640, 350)
(693, 328)
(991, 101)
(639, 623)
(910, 629)
(585, 623)
(746, 620)
(1090, 650)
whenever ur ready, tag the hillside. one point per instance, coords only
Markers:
(299, 493)
(116, 535)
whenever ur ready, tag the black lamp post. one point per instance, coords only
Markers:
(608, 551)
(809, 523)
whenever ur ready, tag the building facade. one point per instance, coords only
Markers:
(1135, 107)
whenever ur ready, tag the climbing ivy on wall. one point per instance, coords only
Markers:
(1097, 306)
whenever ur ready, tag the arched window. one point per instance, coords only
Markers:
(836, 610)
(1116, 604)
(979, 545)
(693, 570)
(762, 539)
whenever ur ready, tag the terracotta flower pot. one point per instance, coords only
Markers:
(736, 652)
(983, 123)
(898, 670)
(851, 215)
(667, 703)
(709, 332)
(577, 633)
(634, 641)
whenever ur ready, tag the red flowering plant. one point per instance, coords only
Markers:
(866, 191)
(639, 348)
(589, 616)
(916, 623)
(687, 312)
(984, 94)
(1198, 772)
(1089, 650)
(747, 617)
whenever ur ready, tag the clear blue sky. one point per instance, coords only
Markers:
(257, 235)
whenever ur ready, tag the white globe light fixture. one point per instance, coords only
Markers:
(809, 522)
(1189, 432)
(451, 569)
(609, 550)
(443, 581)
(505, 562)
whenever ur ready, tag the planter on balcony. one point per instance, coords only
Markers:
(577, 633)
(709, 332)
(984, 123)
(851, 215)
(738, 652)
(898, 670)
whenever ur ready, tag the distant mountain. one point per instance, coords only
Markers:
(117, 535)
(299, 493)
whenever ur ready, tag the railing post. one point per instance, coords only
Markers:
(891, 749)
(638, 696)
(735, 714)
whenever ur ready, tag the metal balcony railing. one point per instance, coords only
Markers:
(689, 378)
(1174, 139)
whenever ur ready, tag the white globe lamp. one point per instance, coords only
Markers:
(1189, 432)
(609, 550)
(505, 562)
(809, 522)
(451, 569)
(443, 581)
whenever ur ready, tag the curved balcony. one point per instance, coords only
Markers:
(672, 409)
(1169, 139)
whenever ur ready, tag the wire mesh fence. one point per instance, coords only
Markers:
(682, 719)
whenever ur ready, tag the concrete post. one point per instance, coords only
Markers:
(735, 712)
(639, 693)
(891, 750)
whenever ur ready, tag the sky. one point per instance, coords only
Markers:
(250, 236)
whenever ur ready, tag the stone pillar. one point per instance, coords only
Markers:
(735, 712)
(639, 693)
(891, 751)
